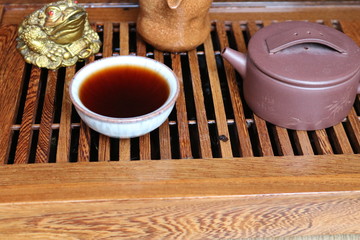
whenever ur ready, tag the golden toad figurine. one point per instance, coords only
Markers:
(57, 35)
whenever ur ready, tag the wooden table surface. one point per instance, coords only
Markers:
(214, 170)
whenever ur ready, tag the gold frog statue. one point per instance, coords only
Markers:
(57, 35)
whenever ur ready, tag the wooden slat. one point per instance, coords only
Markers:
(220, 115)
(303, 142)
(124, 144)
(108, 38)
(181, 112)
(263, 134)
(265, 146)
(25, 136)
(283, 140)
(47, 117)
(144, 141)
(164, 130)
(84, 135)
(11, 78)
(63, 149)
(322, 142)
(124, 38)
(84, 143)
(342, 143)
(104, 141)
(354, 126)
(242, 131)
(201, 118)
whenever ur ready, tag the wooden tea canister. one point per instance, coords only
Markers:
(174, 25)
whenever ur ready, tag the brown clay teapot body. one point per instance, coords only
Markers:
(174, 25)
(299, 75)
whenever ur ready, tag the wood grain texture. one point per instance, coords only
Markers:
(322, 142)
(164, 130)
(242, 131)
(201, 117)
(11, 78)
(220, 114)
(283, 141)
(303, 143)
(63, 147)
(204, 218)
(84, 143)
(47, 117)
(342, 144)
(25, 135)
(84, 135)
(181, 112)
(180, 178)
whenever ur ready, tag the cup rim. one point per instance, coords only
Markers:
(167, 104)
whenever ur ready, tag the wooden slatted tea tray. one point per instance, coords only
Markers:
(214, 170)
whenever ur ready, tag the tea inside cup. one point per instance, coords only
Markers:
(124, 96)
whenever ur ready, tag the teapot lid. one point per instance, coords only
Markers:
(304, 53)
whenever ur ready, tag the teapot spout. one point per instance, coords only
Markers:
(236, 59)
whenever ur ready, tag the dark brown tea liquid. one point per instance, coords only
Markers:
(124, 91)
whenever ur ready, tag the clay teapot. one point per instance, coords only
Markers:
(299, 75)
(174, 25)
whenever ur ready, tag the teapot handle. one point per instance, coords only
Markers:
(278, 42)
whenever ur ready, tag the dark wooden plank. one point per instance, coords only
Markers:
(84, 143)
(164, 129)
(201, 118)
(11, 78)
(322, 142)
(283, 140)
(220, 114)
(28, 118)
(342, 143)
(242, 130)
(303, 142)
(63, 149)
(181, 112)
(47, 116)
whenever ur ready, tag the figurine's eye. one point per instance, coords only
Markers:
(52, 12)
